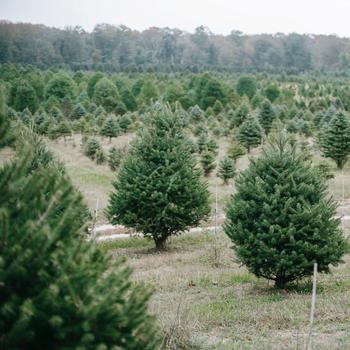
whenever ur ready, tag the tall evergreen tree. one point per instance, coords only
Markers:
(246, 85)
(106, 94)
(58, 291)
(158, 190)
(250, 132)
(281, 219)
(114, 158)
(266, 115)
(240, 115)
(208, 162)
(335, 139)
(25, 97)
(61, 86)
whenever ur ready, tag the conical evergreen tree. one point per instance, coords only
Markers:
(57, 290)
(78, 111)
(226, 170)
(236, 151)
(335, 140)
(208, 162)
(250, 132)
(281, 219)
(158, 190)
(241, 114)
(266, 116)
(110, 128)
(91, 147)
(64, 129)
(114, 158)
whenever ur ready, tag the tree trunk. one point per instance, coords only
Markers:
(280, 282)
(160, 243)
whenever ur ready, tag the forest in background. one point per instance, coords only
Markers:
(112, 48)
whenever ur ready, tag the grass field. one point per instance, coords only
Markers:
(202, 298)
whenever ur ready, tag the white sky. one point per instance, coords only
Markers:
(221, 16)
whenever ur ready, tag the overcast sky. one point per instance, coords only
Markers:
(221, 16)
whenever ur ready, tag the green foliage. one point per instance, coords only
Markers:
(208, 162)
(106, 94)
(246, 85)
(250, 132)
(100, 156)
(64, 129)
(57, 290)
(226, 170)
(281, 219)
(25, 97)
(266, 116)
(91, 147)
(236, 151)
(114, 158)
(335, 139)
(148, 92)
(128, 99)
(209, 91)
(110, 128)
(60, 86)
(272, 92)
(240, 115)
(158, 190)
(92, 83)
(324, 170)
(78, 111)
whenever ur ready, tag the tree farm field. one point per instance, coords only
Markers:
(202, 298)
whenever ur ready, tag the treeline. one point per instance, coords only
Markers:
(119, 48)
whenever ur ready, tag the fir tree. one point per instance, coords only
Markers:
(78, 111)
(281, 219)
(266, 116)
(106, 94)
(158, 190)
(124, 122)
(61, 86)
(246, 86)
(110, 128)
(64, 129)
(25, 97)
(114, 158)
(91, 147)
(324, 169)
(227, 170)
(202, 142)
(208, 162)
(212, 146)
(236, 151)
(335, 140)
(100, 156)
(240, 115)
(250, 132)
(58, 291)
(218, 107)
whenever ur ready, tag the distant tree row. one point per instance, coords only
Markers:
(119, 48)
